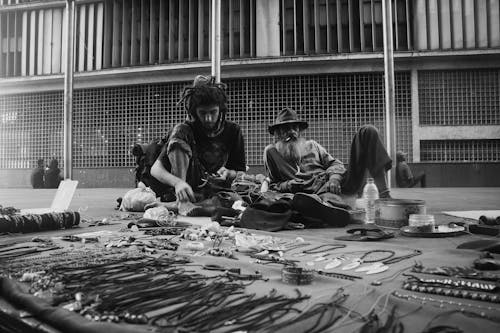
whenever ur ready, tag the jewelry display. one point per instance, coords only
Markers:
(461, 284)
(401, 258)
(424, 288)
(294, 246)
(336, 262)
(339, 275)
(464, 307)
(363, 259)
(462, 272)
(324, 248)
(374, 268)
(379, 282)
(140, 289)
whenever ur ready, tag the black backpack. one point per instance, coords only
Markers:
(145, 157)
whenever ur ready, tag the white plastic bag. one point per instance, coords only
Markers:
(135, 200)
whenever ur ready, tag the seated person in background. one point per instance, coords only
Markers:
(53, 175)
(404, 176)
(204, 145)
(295, 165)
(37, 175)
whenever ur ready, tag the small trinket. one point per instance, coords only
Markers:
(333, 264)
(355, 263)
(369, 267)
(377, 269)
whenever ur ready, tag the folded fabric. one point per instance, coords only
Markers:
(311, 206)
(366, 233)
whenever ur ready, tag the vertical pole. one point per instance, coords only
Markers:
(390, 105)
(216, 39)
(68, 89)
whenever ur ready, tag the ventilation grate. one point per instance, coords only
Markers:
(460, 151)
(108, 121)
(459, 97)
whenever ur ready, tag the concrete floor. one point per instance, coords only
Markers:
(100, 202)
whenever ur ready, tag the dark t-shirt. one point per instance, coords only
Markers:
(52, 178)
(37, 178)
(404, 176)
(207, 154)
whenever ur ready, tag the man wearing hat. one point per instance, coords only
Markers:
(206, 144)
(297, 165)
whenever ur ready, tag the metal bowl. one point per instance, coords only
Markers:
(394, 213)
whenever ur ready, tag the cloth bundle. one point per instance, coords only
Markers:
(266, 214)
(38, 222)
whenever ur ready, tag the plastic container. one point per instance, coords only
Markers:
(370, 195)
(421, 222)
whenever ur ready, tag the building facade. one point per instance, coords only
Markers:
(323, 58)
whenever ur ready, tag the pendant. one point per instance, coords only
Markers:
(334, 263)
(355, 263)
(378, 269)
(369, 267)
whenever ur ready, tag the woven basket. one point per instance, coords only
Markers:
(296, 275)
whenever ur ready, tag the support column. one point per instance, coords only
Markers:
(390, 105)
(415, 117)
(267, 28)
(68, 89)
(216, 39)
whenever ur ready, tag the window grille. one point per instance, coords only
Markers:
(108, 121)
(122, 34)
(460, 151)
(31, 127)
(465, 97)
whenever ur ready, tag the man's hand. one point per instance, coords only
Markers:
(184, 192)
(226, 174)
(334, 186)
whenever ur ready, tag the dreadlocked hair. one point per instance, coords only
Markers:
(204, 91)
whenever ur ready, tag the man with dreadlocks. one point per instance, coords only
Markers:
(205, 145)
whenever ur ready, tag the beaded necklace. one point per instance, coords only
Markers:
(358, 261)
(328, 247)
(443, 303)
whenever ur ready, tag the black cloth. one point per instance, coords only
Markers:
(206, 154)
(37, 178)
(52, 177)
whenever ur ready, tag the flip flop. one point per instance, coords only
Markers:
(364, 234)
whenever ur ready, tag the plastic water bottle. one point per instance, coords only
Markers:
(265, 185)
(370, 194)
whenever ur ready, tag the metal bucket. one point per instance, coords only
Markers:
(394, 213)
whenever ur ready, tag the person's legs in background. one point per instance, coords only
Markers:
(367, 153)
(420, 178)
